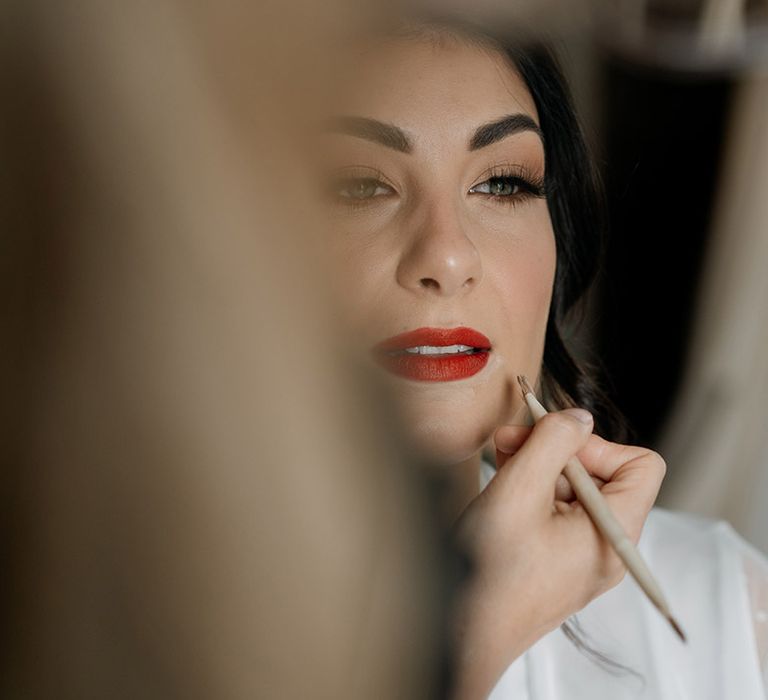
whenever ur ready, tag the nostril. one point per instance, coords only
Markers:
(429, 283)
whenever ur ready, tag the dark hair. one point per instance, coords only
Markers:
(578, 210)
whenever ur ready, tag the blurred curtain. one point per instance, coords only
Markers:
(716, 442)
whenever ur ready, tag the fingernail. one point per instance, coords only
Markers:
(579, 414)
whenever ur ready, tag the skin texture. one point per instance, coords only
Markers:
(429, 248)
(434, 254)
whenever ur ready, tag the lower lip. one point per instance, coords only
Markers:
(435, 368)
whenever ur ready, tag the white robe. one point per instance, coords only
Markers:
(717, 587)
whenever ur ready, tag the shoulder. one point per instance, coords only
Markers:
(704, 561)
(660, 517)
(673, 531)
(693, 542)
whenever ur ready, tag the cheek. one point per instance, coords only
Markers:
(362, 270)
(523, 270)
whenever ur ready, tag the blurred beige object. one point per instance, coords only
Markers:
(689, 36)
(722, 25)
(520, 19)
(716, 442)
(195, 505)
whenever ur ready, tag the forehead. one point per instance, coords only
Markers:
(430, 87)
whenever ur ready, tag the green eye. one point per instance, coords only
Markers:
(360, 188)
(498, 187)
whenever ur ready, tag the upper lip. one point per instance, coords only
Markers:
(438, 337)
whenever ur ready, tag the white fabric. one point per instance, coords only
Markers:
(717, 586)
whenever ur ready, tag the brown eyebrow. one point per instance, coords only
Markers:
(499, 129)
(394, 137)
(387, 135)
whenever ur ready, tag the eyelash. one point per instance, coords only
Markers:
(532, 185)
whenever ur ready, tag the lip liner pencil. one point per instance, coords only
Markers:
(595, 504)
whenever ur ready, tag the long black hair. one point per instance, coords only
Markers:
(578, 211)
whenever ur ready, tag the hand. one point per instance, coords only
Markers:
(538, 558)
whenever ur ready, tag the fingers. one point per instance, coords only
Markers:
(564, 491)
(634, 474)
(600, 457)
(632, 477)
(629, 476)
(634, 487)
(510, 438)
(543, 454)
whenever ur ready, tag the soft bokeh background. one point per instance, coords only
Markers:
(675, 101)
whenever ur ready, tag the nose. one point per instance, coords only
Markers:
(439, 258)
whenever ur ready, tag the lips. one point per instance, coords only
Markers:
(434, 354)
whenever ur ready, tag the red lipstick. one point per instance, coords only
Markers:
(434, 354)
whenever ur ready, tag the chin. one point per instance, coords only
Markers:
(447, 435)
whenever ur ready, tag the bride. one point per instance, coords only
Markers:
(466, 223)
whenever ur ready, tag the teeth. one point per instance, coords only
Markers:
(438, 350)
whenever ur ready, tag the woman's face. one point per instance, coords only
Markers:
(442, 233)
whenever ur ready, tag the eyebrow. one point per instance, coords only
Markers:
(499, 129)
(394, 137)
(387, 135)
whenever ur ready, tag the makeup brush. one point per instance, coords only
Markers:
(595, 504)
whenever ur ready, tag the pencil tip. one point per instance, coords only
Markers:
(677, 628)
(524, 385)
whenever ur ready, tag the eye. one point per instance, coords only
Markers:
(359, 189)
(500, 186)
(510, 184)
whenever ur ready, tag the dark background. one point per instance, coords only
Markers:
(662, 143)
